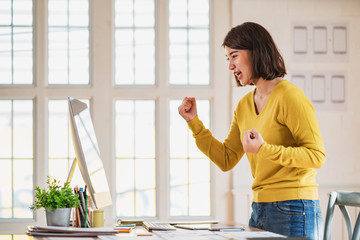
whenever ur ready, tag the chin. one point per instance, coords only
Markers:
(244, 83)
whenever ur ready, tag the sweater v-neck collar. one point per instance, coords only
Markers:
(267, 101)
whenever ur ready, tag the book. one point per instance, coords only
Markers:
(194, 226)
(69, 231)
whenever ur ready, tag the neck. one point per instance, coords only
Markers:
(265, 87)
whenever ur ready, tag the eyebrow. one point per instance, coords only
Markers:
(231, 53)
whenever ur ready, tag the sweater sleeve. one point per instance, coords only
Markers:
(299, 116)
(225, 155)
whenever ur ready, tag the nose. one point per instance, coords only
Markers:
(231, 65)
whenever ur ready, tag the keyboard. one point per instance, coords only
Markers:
(156, 226)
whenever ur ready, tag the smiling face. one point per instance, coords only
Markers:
(240, 64)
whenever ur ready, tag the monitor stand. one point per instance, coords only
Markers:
(72, 170)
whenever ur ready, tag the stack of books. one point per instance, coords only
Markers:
(52, 231)
(125, 228)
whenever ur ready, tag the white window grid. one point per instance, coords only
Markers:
(41, 92)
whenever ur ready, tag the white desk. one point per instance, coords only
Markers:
(139, 233)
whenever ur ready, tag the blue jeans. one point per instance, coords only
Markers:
(294, 218)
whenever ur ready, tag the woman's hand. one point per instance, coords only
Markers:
(187, 109)
(252, 141)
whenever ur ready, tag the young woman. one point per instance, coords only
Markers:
(276, 127)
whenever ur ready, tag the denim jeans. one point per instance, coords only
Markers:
(294, 218)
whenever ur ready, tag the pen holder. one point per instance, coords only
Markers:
(98, 218)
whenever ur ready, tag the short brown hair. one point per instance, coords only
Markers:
(267, 61)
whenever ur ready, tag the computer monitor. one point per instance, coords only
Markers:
(87, 154)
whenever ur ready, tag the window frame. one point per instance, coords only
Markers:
(102, 105)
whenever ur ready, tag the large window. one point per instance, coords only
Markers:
(189, 42)
(135, 42)
(132, 62)
(135, 158)
(16, 158)
(189, 168)
(68, 41)
(16, 45)
(16, 113)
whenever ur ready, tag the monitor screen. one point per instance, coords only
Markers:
(88, 154)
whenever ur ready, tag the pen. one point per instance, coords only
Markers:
(86, 209)
(231, 230)
(123, 229)
(126, 225)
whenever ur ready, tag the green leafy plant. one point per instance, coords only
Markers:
(55, 196)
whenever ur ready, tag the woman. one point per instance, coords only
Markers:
(275, 125)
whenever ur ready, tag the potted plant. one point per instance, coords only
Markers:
(57, 202)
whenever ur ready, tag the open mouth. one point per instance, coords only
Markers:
(238, 75)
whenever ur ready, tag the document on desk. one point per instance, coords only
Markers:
(249, 235)
(217, 235)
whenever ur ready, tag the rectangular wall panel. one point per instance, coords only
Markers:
(339, 40)
(320, 39)
(338, 89)
(299, 80)
(300, 39)
(318, 88)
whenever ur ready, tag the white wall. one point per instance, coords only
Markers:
(340, 129)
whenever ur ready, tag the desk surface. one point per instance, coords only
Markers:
(139, 233)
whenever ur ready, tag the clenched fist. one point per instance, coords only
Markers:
(187, 109)
(252, 141)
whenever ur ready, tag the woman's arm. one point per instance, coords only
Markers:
(225, 155)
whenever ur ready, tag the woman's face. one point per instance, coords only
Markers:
(240, 64)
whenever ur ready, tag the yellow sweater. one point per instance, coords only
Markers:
(283, 167)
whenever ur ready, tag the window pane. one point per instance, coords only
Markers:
(199, 13)
(68, 42)
(16, 42)
(135, 158)
(61, 151)
(144, 13)
(5, 55)
(178, 13)
(16, 158)
(199, 72)
(23, 188)
(23, 129)
(144, 55)
(124, 51)
(124, 13)
(22, 55)
(189, 57)
(58, 56)
(197, 194)
(6, 128)
(134, 42)
(5, 12)
(178, 200)
(22, 12)
(189, 168)
(6, 200)
(14, 237)
(178, 49)
(78, 56)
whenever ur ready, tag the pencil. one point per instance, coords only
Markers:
(86, 209)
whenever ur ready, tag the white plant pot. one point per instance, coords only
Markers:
(58, 217)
